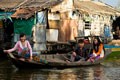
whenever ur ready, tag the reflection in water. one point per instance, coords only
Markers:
(7, 72)
(98, 71)
(68, 76)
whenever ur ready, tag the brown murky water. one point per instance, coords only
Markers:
(9, 72)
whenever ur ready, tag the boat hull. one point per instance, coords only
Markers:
(55, 62)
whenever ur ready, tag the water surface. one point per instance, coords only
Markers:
(99, 72)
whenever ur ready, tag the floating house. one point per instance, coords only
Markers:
(6, 23)
(62, 20)
(31, 18)
(82, 18)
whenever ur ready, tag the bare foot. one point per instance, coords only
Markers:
(92, 60)
(29, 60)
(57, 53)
(22, 59)
(67, 61)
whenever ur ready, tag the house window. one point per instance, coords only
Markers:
(73, 14)
(54, 16)
(88, 20)
(87, 25)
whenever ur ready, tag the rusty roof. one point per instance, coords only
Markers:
(28, 8)
(9, 4)
(14, 4)
(23, 13)
(41, 3)
(94, 7)
(89, 7)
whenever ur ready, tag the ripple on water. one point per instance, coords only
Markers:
(113, 73)
(83, 73)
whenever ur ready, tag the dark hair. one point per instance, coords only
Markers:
(22, 34)
(96, 46)
(80, 41)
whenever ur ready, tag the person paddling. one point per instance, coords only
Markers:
(23, 47)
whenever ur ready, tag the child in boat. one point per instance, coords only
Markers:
(98, 50)
(23, 47)
(80, 53)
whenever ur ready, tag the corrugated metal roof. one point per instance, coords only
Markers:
(23, 13)
(28, 8)
(94, 7)
(41, 3)
(9, 4)
(89, 7)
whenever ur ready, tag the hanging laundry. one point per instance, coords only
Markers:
(39, 37)
(39, 33)
(41, 17)
(106, 31)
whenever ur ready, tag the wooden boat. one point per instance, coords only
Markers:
(52, 61)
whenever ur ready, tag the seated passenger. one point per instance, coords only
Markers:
(98, 50)
(80, 53)
(23, 48)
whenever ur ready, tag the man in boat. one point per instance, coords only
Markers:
(23, 47)
(80, 53)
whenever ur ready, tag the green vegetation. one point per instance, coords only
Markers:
(114, 56)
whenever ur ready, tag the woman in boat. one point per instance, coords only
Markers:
(23, 47)
(80, 53)
(98, 50)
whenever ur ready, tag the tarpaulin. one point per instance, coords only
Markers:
(23, 26)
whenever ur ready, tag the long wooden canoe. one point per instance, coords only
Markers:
(52, 61)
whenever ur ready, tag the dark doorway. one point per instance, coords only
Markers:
(8, 30)
(116, 28)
